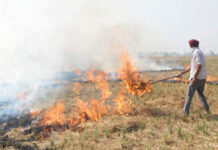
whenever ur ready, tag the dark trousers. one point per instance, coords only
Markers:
(199, 86)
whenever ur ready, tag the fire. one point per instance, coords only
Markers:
(102, 84)
(90, 75)
(97, 108)
(35, 113)
(130, 76)
(54, 115)
(77, 71)
(211, 79)
(93, 109)
(122, 104)
(93, 112)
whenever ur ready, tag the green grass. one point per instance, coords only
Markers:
(179, 132)
(170, 129)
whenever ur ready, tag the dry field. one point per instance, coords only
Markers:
(157, 121)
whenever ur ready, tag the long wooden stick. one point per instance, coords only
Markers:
(163, 79)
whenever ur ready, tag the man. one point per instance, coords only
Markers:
(198, 76)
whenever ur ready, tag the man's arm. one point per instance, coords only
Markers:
(184, 72)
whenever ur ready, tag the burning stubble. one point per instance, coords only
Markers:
(93, 109)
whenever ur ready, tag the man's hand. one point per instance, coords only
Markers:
(194, 80)
(184, 72)
(196, 74)
(179, 75)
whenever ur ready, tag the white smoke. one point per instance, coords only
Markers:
(40, 38)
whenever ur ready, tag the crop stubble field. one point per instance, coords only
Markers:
(157, 121)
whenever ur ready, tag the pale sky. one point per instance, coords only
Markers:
(174, 21)
(38, 34)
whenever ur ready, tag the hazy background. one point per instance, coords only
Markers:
(39, 37)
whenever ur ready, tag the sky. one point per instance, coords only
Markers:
(39, 34)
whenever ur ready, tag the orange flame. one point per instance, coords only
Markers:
(77, 71)
(130, 76)
(35, 113)
(93, 112)
(90, 75)
(122, 104)
(211, 79)
(102, 84)
(54, 115)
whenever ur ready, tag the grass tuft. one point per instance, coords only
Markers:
(96, 135)
(179, 132)
(170, 129)
(204, 128)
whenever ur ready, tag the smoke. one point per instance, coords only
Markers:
(41, 38)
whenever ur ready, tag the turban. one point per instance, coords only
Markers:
(193, 43)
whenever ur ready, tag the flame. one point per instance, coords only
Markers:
(90, 75)
(77, 71)
(130, 76)
(93, 112)
(211, 79)
(102, 84)
(35, 113)
(54, 115)
(122, 104)
(97, 108)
